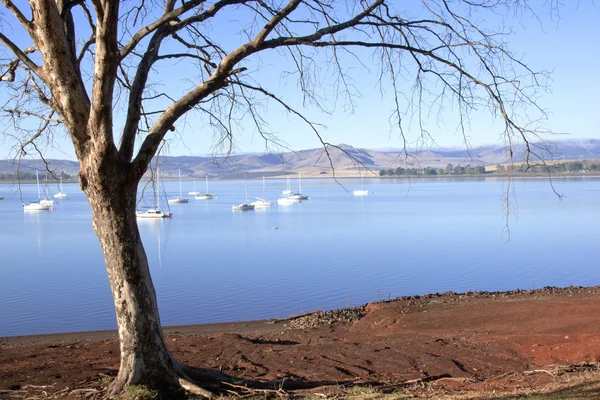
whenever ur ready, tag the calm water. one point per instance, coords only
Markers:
(211, 264)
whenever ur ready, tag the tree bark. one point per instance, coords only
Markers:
(111, 191)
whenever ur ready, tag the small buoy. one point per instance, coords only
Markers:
(275, 228)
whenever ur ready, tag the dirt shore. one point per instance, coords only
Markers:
(476, 342)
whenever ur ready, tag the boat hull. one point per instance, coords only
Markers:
(298, 197)
(284, 201)
(243, 207)
(261, 203)
(178, 201)
(153, 214)
(36, 207)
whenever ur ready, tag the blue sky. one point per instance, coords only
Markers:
(565, 45)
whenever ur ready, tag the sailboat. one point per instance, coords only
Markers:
(244, 206)
(205, 196)
(60, 194)
(361, 191)
(37, 206)
(155, 211)
(298, 196)
(285, 201)
(46, 201)
(194, 192)
(261, 202)
(180, 199)
(288, 190)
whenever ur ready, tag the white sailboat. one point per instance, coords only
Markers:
(46, 201)
(180, 199)
(261, 202)
(244, 206)
(37, 206)
(285, 201)
(361, 191)
(288, 190)
(194, 192)
(205, 196)
(60, 194)
(298, 196)
(155, 211)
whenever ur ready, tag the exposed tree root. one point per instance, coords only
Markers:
(195, 389)
(562, 369)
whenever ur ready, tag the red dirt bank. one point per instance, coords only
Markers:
(477, 342)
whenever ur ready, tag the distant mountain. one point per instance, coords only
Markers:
(346, 160)
(57, 166)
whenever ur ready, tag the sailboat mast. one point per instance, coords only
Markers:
(300, 181)
(207, 183)
(246, 187)
(155, 190)
(37, 179)
(180, 191)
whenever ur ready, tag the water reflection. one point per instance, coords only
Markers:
(151, 228)
(33, 223)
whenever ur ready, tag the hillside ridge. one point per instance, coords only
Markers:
(346, 159)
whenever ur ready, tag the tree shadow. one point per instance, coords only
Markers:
(221, 383)
(270, 342)
(585, 390)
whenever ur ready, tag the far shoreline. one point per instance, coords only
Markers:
(539, 176)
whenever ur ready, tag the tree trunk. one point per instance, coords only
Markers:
(145, 360)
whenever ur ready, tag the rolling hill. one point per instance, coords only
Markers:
(346, 160)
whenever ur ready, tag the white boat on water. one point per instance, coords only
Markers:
(288, 190)
(36, 207)
(285, 201)
(298, 196)
(154, 211)
(194, 192)
(244, 206)
(205, 196)
(180, 199)
(40, 205)
(361, 191)
(60, 194)
(47, 201)
(261, 202)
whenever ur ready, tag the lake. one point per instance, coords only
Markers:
(212, 264)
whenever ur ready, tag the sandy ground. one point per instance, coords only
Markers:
(476, 341)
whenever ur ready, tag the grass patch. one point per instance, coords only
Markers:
(139, 392)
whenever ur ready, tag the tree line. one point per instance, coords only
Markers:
(430, 171)
(29, 176)
(566, 167)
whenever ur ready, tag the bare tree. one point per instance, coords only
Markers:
(89, 69)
